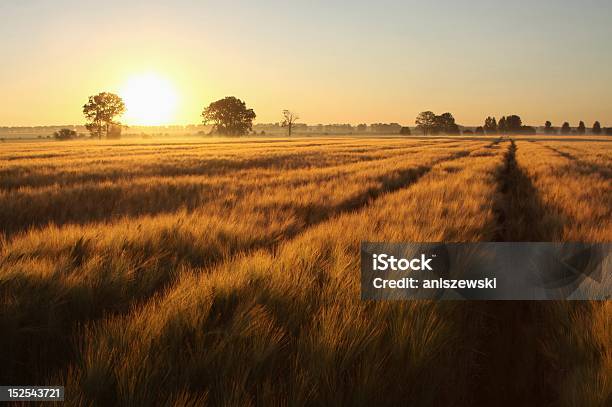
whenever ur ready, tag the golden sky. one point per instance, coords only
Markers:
(331, 61)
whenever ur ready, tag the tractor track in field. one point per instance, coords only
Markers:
(581, 166)
(521, 214)
(50, 205)
(54, 353)
(390, 183)
(510, 367)
(12, 179)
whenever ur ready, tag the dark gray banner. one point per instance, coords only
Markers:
(486, 271)
(31, 393)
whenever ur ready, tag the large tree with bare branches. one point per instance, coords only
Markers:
(289, 119)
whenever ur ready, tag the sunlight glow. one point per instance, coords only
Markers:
(150, 100)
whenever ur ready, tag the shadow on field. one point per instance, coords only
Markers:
(583, 167)
(43, 311)
(33, 200)
(521, 214)
(512, 368)
(389, 183)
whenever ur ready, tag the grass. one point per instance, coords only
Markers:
(576, 336)
(226, 271)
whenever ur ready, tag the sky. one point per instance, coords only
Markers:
(330, 61)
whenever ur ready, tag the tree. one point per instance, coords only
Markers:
(100, 111)
(548, 128)
(289, 119)
(429, 123)
(510, 124)
(490, 125)
(581, 128)
(405, 131)
(362, 128)
(481, 130)
(426, 122)
(566, 129)
(501, 125)
(596, 128)
(514, 124)
(65, 134)
(229, 116)
(446, 124)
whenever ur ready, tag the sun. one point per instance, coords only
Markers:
(150, 100)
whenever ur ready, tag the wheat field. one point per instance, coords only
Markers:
(225, 271)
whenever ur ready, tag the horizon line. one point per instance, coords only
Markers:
(4, 126)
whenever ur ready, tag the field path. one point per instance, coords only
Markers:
(584, 166)
(513, 370)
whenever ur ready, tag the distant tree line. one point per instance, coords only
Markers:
(581, 129)
(334, 128)
(65, 134)
(511, 124)
(231, 116)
